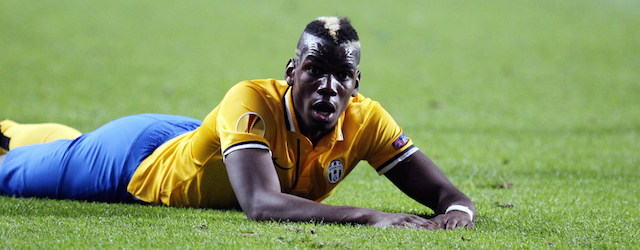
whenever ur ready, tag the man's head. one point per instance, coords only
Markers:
(334, 29)
(324, 74)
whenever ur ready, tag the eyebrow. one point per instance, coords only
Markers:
(313, 58)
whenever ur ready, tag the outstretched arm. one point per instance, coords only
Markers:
(257, 187)
(418, 177)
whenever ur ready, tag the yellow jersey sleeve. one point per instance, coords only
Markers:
(388, 144)
(245, 119)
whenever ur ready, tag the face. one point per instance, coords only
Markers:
(323, 80)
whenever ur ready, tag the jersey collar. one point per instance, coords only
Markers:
(289, 113)
(292, 123)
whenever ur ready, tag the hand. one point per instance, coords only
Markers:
(452, 220)
(401, 220)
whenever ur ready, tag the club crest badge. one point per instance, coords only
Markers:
(251, 123)
(335, 171)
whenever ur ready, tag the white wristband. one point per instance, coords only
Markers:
(460, 208)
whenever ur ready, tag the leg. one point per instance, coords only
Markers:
(96, 166)
(14, 135)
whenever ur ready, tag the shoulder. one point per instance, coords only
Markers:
(263, 97)
(362, 109)
(269, 88)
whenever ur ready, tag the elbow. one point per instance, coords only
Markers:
(258, 211)
(256, 214)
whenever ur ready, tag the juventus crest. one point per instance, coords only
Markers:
(335, 171)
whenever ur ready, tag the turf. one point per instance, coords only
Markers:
(532, 108)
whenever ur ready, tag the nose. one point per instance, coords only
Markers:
(328, 86)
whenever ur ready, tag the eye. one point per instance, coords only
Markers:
(313, 70)
(344, 75)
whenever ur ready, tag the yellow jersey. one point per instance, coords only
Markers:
(189, 170)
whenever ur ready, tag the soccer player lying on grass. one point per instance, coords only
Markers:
(272, 148)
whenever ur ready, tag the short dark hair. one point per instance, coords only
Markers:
(336, 29)
(333, 29)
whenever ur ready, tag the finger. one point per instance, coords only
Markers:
(440, 220)
(418, 220)
(460, 224)
(430, 225)
(454, 223)
(450, 224)
(470, 225)
(465, 223)
(406, 224)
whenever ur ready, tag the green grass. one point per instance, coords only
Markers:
(532, 108)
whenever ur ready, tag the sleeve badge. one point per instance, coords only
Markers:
(251, 123)
(400, 142)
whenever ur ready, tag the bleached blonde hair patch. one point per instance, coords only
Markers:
(332, 24)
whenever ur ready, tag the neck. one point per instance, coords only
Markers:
(314, 134)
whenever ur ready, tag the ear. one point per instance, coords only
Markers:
(289, 71)
(357, 83)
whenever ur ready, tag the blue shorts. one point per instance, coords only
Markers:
(96, 166)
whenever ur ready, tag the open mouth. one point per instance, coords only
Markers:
(324, 110)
